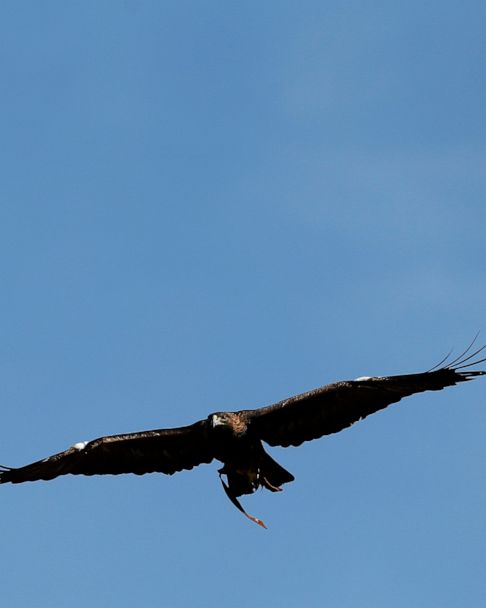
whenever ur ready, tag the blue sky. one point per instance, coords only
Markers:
(215, 205)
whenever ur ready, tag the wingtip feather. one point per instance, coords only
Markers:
(461, 364)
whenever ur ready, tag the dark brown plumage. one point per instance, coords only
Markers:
(235, 438)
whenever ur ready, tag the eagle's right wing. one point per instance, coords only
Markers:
(159, 451)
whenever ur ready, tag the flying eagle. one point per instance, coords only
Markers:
(235, 438)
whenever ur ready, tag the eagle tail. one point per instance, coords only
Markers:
(272, 474)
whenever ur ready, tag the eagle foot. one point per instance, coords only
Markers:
(237, 504)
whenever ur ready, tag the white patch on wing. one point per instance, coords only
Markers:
(80, 445)
(363, 378)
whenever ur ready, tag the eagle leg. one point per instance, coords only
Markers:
(237, 504)
(269, 486)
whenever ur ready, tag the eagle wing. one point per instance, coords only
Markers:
(159, 451)
(334, 407)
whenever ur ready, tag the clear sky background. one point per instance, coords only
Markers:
(216, 205)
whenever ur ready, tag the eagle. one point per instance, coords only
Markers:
(236, 438)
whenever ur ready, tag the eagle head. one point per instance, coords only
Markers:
(219, 419)
(227, 420)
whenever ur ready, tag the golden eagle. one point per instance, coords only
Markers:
(235, 438)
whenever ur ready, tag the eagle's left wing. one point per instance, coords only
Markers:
(334, 407)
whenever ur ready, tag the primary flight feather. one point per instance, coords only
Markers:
(235, 438)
